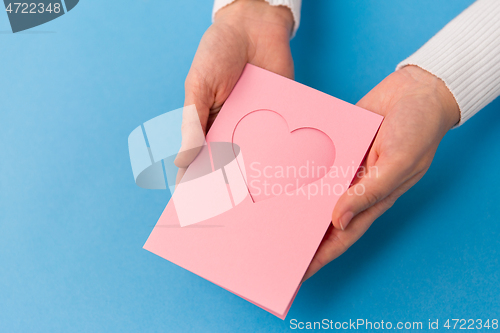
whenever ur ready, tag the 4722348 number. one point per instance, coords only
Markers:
(471, 324)
(33, 8)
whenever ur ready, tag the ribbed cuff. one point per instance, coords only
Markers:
(294, 6)
(465, 54)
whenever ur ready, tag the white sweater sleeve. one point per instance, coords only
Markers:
(465, 54)
(294, 6)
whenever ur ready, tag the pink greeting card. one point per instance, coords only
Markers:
(257, 200)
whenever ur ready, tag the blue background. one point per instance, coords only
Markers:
(73, 223)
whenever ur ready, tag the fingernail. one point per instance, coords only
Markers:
(345, 219)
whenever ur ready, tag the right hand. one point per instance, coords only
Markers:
(246, 31)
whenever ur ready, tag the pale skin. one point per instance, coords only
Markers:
(417, 106)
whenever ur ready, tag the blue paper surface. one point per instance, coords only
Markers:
(73, 221)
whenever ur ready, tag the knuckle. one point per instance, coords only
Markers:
(336, 245)
(371, 198)
(191, 82)
(389, 203)
(194, 80)
(342, 246)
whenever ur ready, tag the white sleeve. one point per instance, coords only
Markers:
(465, 54)
(294, 6)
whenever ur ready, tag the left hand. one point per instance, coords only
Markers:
(419, 110)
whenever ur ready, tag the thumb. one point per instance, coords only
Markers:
(194, 123)
(378, 181)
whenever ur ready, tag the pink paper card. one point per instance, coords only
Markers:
(253, 223)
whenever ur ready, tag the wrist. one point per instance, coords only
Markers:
(450, 110)
(253, 13)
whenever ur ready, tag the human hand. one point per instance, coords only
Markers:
(243, 32)
(419, 110)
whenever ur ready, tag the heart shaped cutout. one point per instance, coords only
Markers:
(279, 160)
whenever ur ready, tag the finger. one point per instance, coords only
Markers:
(335, 242)
(197, 103)
(374, 186)
(180, 174)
